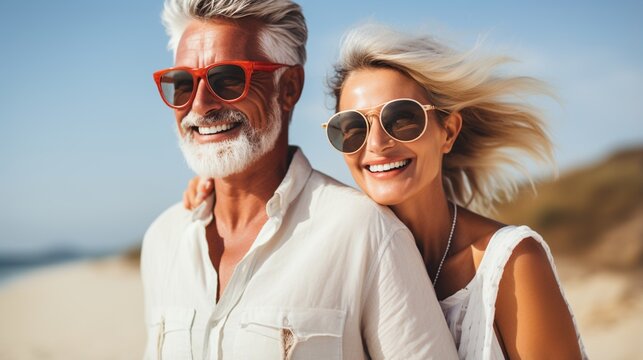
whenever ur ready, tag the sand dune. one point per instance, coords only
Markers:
(608, 306)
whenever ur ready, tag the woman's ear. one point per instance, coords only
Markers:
(452, 126)
(291, 85)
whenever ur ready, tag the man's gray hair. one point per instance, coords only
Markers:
(282, 39)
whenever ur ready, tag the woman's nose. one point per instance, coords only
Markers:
(378, 139)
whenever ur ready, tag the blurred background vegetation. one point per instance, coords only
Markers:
(593, 213)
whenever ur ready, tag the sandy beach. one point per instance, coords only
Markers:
(84, 310)
(93, 310)
(608, 306)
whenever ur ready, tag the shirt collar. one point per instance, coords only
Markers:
(296, 177)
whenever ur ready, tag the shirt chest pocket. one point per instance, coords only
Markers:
(170, 334)
(292, 334)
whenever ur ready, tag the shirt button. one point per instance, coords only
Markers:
(286, 322)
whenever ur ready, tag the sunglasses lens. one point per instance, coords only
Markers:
(227, 81)
(176, 87)
(347, 131)
(404, 120)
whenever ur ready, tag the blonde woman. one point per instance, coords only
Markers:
(430, 132)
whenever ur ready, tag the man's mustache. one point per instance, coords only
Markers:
(226, 115)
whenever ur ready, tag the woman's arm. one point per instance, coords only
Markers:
(532, 317)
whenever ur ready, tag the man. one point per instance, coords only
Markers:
(282, 261)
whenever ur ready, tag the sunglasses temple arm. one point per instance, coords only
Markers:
(433, 107)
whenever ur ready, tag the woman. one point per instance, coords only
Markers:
(425, 130)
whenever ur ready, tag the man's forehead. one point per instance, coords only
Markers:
(205, 42)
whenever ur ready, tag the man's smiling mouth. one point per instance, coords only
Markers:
(215, 129)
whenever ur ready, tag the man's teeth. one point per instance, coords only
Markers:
(387, 167)
(215, 129)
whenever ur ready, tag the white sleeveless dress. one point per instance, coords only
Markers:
(470, 311)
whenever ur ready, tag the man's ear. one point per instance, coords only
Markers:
(452, 126)
(290, 86)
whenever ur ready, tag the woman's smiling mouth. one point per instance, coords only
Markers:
(388, 166)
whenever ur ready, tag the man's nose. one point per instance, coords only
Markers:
(378, 139)
(204, 100)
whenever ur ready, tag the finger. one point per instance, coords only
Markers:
(205, 189)
(205, 186)
(186, 201)
(192, 189)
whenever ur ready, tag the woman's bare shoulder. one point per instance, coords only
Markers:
(530, 308)
(476, 231)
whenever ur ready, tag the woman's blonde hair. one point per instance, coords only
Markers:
(496, 120)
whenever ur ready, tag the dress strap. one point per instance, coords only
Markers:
(498, 252)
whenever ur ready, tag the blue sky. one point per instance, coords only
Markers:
(88, 152)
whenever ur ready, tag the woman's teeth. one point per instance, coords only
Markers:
(387, 167)
(203, 130)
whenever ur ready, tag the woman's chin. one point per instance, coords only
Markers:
(386, 198)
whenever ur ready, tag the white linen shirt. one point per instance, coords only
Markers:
(331, 275)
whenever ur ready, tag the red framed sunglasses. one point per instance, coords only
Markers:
(229, 81)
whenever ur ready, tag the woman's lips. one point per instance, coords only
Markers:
(389, 166)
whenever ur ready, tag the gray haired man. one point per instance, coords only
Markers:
(281, 262)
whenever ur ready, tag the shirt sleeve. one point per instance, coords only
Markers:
(401, 317)
(148, 290)
(153, 268)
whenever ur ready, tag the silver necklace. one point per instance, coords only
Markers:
(446, 251)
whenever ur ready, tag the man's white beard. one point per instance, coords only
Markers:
(221, 159)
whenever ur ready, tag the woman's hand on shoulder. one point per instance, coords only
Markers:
(198, 189)
(532, 317)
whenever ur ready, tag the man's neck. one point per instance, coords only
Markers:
(240, 211)
(241, 198)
